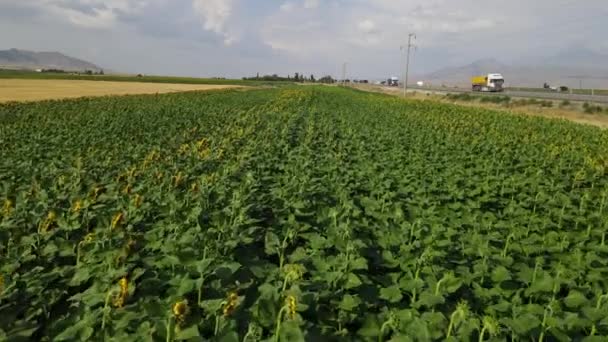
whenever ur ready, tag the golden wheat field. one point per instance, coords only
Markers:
(35, 90)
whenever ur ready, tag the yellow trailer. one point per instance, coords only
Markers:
(481, 80)
(489, 82)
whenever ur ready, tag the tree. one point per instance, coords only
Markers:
(297, 77)
(273, 77)
(312, 78)
(327, 79)
(258, 75)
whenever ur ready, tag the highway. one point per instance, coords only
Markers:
(522, 94)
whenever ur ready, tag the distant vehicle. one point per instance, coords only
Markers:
(549, 87)
(420, 84)
(393, 81)
(489, 82)
(553, 88)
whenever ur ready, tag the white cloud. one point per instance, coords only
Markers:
(288, 6)
(89, 13)
(311, 4)
(367, 33)
(215, 14)
(383, 23)
(99, 19)
(281, 35)
(367, 26)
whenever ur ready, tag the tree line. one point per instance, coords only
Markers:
(61, 71)
(297, 77)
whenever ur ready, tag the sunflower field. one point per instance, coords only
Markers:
(299, 214)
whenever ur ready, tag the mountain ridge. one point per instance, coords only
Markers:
(572, 68)
(31, 60)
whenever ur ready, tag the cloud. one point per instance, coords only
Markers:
(311, 4)
(367, 26)
(88, 13)
(286, 34)
(215, 14)
(281, 35)
(288, 6)
(384, 23)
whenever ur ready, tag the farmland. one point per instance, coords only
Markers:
(603, 92)
(30, 75)
(38, 89)
(299, 213)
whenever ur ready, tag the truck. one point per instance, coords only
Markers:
(547, 86)
(393, 81)
(489, 82)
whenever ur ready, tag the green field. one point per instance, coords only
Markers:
(22, 74)
(299, 213)
(603, 92)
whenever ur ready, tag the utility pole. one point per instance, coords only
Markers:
(407, 61)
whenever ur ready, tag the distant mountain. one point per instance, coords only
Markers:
(572, 68)
(454, 74)
(23, 59)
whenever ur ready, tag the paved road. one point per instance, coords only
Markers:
(525, 94)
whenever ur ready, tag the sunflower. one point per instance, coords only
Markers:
(292, 306)
(89, 238)
(177, 179)
(50, 219)
(138, 200)
(117, 219)
(77, 206)
(181, 310)
(231, 304)
(7, 208)
(119, 301)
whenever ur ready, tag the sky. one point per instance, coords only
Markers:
(235, 38)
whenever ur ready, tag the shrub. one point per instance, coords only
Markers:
(593, 109)
(546, 104)
(495, 99)
(461, 97)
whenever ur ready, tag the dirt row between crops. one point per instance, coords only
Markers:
(22, 90)
(599, 120)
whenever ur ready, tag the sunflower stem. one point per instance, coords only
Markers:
(169, 321)
(279, 320)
